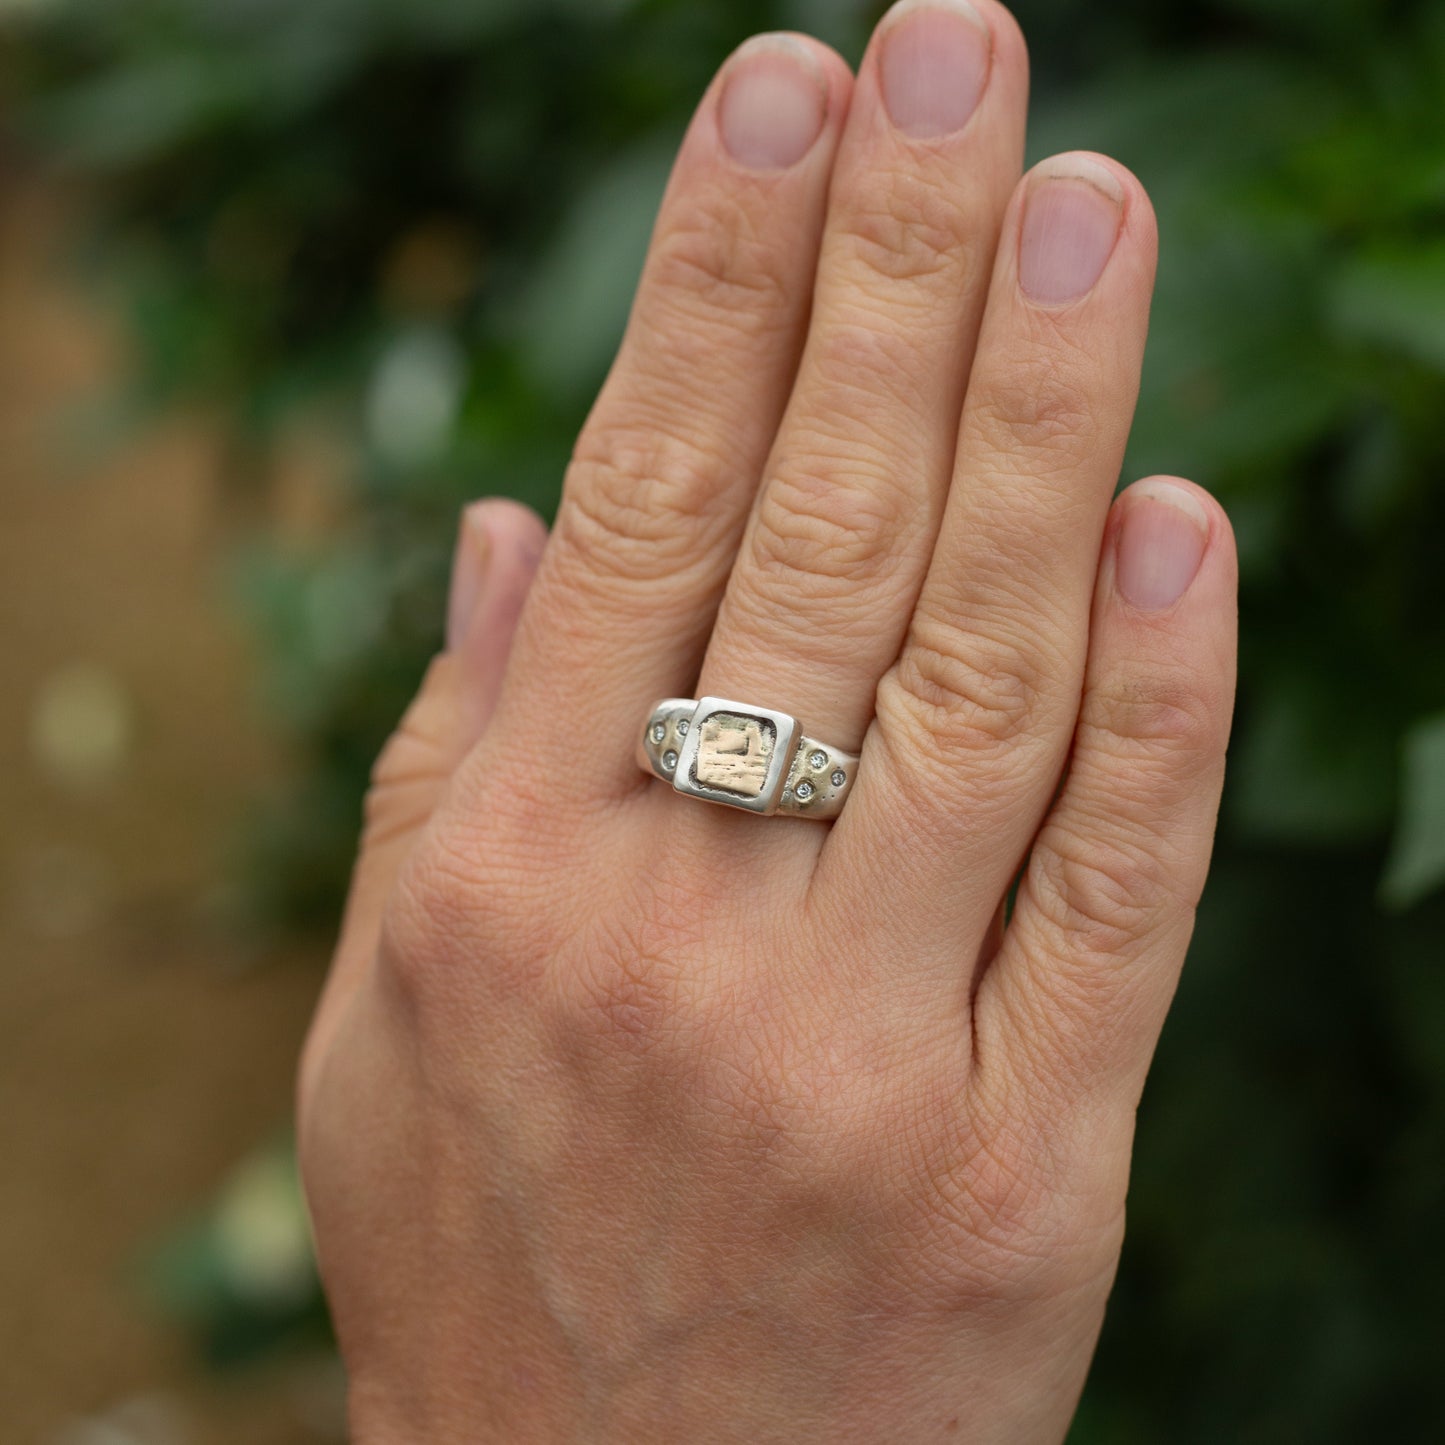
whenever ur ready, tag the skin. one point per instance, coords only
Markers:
(625, 1118)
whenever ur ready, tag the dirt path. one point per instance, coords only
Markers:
(140, 1055)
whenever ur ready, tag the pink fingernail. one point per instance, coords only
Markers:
(1071, 225)
(933, 65)
(1160, 544)
(773, 105)
(469, 574)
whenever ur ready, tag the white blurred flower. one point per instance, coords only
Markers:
(415, 395)
(263, 1236)
(81, 725)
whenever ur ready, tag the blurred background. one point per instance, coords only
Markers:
(282, 285)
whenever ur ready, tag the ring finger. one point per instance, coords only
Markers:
(665, 471)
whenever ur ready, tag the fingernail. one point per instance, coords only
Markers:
(933, 65)
(773, 104)
(1071, 225)
(1160, 545)
(469, 574)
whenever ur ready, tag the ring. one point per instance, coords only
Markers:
(744, 757)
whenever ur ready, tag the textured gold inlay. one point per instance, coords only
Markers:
(733, 753)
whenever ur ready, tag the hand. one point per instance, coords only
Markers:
(626, 1118)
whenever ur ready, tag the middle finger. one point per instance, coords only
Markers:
(844, 524)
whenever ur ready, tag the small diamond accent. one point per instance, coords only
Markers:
(818, 760)
(659, 731)
(804, 790)
(682, 727)
(839, 778)
(669, 760)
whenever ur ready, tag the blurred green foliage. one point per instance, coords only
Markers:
(422, 220)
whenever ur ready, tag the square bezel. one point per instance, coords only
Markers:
(785, 735)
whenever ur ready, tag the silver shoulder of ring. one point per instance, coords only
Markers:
(662, 738)
(744, 756)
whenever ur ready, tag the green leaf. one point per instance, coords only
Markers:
(1395, 299)
(575, 309)
(1416, 866)
(133, 114)
(1299, 777)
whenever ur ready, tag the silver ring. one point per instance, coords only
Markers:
(744, 757)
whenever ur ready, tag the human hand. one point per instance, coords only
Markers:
(625, 1118)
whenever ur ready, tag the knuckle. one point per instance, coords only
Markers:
(717, 264)
(422, 926)
(799, 1093)
(998, 1192)
(1099, 897)
(1037, 408)
(756, 1102)
(637, 499)
(902, 226)
(825, 526)
(625, 987)
(624, 1001)
(1145, 723)
(1001, 1189)
(411, 768)
(422, 740)
(960, 696)
(441, 923)
(638, 1008)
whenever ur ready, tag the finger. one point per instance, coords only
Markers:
(1076, 997)
(840, 539)
(667, 465)
(498, 548)
(974, 720)
(497, 554)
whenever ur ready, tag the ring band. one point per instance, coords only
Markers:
(744, 757)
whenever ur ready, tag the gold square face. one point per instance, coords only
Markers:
(733, 753)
